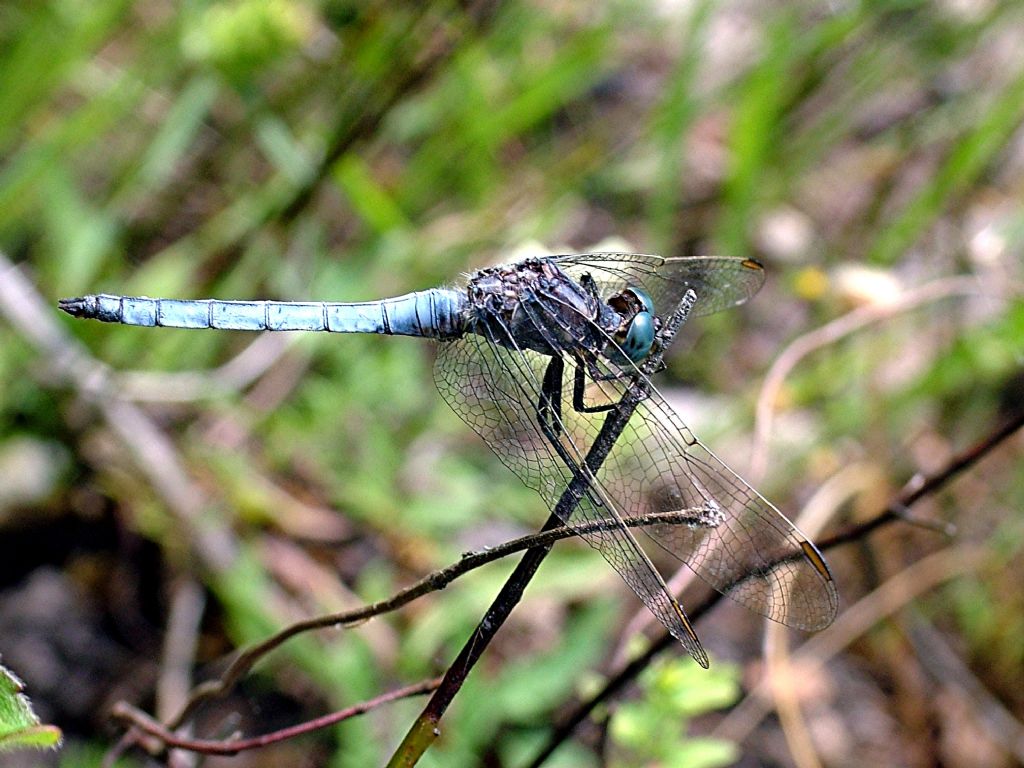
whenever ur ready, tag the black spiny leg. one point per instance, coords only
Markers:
(549, 416)
(579, 388)
(550, 403)
(549, 409)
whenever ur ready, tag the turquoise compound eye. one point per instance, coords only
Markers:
(639, 337)
(644, 297)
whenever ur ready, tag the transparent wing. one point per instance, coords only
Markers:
(495, 388)
(736, 540)
(720, 282)
(741, 544)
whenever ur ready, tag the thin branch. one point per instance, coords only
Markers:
(178, 657)
(180, 641)
(432, 582)
(915, 490)
(780, 673)
(166, 738)
(920, 486)
(780, 669)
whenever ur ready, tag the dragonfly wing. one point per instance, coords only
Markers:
(735, 539)
(495, 388)
(737, 542)
(720, 282)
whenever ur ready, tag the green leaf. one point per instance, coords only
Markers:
(370, 200)
(689, 690)
(19, 725)
(241, 38)
(177, 132)
(283, 149)
(54, 42)
(703, 752)
(670, 121)
(81, 233)
(652, 729)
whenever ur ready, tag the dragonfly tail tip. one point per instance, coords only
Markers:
(76, 307)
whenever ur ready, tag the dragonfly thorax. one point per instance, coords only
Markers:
(533, 304)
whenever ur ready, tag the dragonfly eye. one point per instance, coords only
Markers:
(635, 336)
(643, 297)
(639, 336)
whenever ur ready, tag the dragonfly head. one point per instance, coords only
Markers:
(635, 335)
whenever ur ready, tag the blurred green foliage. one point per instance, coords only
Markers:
(348, 151)
(650, 731)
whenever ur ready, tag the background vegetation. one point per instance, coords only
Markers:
(214, 487)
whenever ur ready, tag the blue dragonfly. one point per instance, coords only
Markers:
(548, 360)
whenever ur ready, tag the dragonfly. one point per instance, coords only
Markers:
(549, 360)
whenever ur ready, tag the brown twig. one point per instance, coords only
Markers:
(430, 583)
(167, 739)
(433, 582)
(151, 449)
(944, 666)
(920, 486)
(236, 374)
(180, 641)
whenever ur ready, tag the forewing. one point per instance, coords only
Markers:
(720, 282)
(495, 389)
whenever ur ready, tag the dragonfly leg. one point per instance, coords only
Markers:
(579, 387)
(549, 417)
(549, 408)
(595, 372)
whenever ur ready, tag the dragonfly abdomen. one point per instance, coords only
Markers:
(436, 313)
